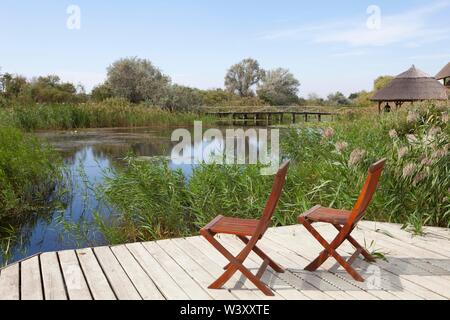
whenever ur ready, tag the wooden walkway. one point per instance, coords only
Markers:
(268, 117)
(416, 268)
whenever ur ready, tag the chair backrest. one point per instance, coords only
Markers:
(277, 188)
(367, 191)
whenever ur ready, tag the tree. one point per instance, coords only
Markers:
(102, 92)
(242, 76)
(181, 98)
(11, 86)
(50, 89)
(315, 99)
(337, 99)
(279, 87)
(361, 99)
(216, 97)
(353, 96)
(381, 82)
(137, 80)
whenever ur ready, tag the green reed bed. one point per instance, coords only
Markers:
(29, 174)
(109, 113)
(329, 165)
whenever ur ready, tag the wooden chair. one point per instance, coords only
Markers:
(250, 232)
(344, 221)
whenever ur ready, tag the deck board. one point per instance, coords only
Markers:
(96, 279)
(30, 274)
(417, 267)
(192, 288)
(116, 275)
(76, 285)
(52, 278)
(9, 283)
(142, 282)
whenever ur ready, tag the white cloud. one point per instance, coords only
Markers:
(408, 28)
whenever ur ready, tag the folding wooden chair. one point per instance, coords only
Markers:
(344, 221)
(250, 232)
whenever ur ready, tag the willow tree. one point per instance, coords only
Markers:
(137, 80)
(279, 87)
(243, 76)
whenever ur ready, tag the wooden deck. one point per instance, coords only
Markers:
(417, 268)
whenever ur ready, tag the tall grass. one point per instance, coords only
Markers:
(329, 166)
(29, 175)
(110, 113)
(29, 171)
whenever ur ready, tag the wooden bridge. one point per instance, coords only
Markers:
(268, 117)
(416, 268)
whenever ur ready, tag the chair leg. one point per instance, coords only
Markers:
(223, 278)
(355, 275)
(330, 250)
(234, 265)
(275, 266)
(355, 243)
(313, 266)
(324, 255)
(257, 282)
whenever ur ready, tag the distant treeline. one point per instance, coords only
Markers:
(139, 81)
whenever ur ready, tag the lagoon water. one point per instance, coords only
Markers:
(89, 155)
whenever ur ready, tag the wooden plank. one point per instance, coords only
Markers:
(344, 284)
(96, 279)
(165, 283)
(214, 268)
(236, 282)
(178, 274)
(273, 279)
(9, 283)
(120, 283)
(31, 285)
(339, 279)
(76, 285)
(400, 279)
(433, 244)
(418, 268)
(314, 282)
(203, 278)
(143, 283)
(416, 258)
(52, 278)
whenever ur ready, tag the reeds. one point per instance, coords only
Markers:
(109, 113)
(29, 171)
(329, 167)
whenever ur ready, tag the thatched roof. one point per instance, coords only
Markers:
(444, 73)
(412, 85)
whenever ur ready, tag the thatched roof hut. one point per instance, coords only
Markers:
(444, 74)
(409, 86)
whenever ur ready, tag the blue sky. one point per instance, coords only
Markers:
(326, 44)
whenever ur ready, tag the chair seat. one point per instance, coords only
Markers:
(236, 226)
(329, 215)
